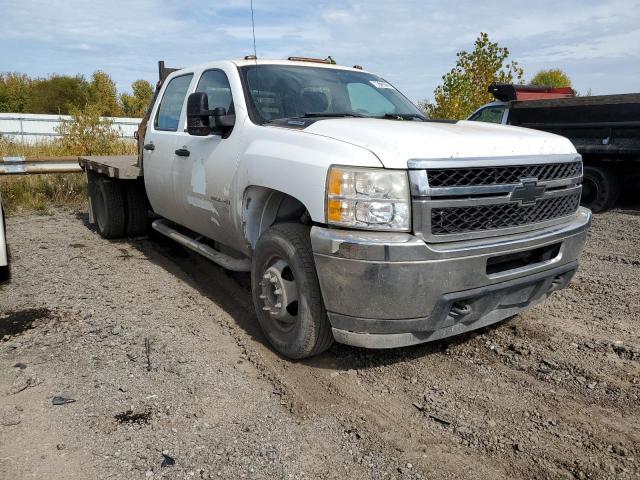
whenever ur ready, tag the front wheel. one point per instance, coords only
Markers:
(286, 292)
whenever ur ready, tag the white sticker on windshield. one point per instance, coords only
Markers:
(380, 84)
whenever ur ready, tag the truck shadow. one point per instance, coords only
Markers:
(231, 291)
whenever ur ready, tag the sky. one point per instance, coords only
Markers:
(410, 43)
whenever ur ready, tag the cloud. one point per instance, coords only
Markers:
(410, 43)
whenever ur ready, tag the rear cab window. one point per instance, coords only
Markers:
(168, 114)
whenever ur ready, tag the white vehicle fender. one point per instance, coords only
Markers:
(294, 163)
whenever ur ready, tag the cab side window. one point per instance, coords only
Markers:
(491, 114)
(170, 107)
(216, 85)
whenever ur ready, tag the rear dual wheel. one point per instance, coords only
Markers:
(120, 207)
(286, 292)
(108, 207)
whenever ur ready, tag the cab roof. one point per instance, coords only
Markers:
(267, 61)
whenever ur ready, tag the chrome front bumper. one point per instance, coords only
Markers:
(385, 290)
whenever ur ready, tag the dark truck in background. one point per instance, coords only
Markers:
(605, 129)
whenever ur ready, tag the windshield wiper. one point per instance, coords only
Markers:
(319, 115)
(403, 116)
(331, 114)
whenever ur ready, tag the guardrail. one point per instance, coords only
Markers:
(31, 165)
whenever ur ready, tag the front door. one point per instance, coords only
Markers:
(160, 145)
(206, 168)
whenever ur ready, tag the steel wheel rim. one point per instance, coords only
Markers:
(279, 294)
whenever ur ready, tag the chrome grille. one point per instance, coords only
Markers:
(453, 220)
(459, 177)
(455, 199)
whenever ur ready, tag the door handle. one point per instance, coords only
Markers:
(182, 152)
(149, 146)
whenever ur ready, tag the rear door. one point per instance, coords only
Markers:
(203, 179)
(160, 145)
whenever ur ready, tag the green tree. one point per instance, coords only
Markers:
(15, 90)
(135, 104)
(103, 94)
(553, 77)
(58, 94)
(464, 88)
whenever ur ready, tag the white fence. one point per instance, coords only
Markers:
(32, 128)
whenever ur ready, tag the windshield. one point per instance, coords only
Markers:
(279, 91)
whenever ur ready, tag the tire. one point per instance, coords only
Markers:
(294, 321)
(109, 208)
(600, 189)
(137, 206)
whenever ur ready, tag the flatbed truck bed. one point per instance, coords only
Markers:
(124, 167)
(115, 184)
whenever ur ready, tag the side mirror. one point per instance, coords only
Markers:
(199, 115)
(223, 120)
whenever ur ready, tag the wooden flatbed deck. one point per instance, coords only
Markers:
(114, 166)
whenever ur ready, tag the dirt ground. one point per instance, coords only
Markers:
(161, 352)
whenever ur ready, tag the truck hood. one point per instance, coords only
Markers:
(395, 142)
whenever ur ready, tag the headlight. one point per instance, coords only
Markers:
(368, 198)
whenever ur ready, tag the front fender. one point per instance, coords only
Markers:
(296, 163)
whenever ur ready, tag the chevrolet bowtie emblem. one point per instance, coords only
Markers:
(528, 192)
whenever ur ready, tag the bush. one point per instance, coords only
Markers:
(90, 134)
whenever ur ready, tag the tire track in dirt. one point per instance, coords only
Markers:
(373, 392)
(311, 387)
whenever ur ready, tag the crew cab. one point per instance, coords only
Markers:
(360, 220)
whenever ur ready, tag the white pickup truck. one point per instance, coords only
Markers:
(360, 220)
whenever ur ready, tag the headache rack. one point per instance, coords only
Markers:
(458, 199)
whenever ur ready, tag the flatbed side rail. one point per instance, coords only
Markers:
(20, 165)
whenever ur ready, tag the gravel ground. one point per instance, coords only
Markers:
(162, 354)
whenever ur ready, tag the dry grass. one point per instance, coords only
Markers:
(41, 193)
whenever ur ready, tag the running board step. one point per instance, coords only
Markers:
(225, 261)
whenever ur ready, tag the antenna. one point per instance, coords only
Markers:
(253, 30)
(255, 58)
